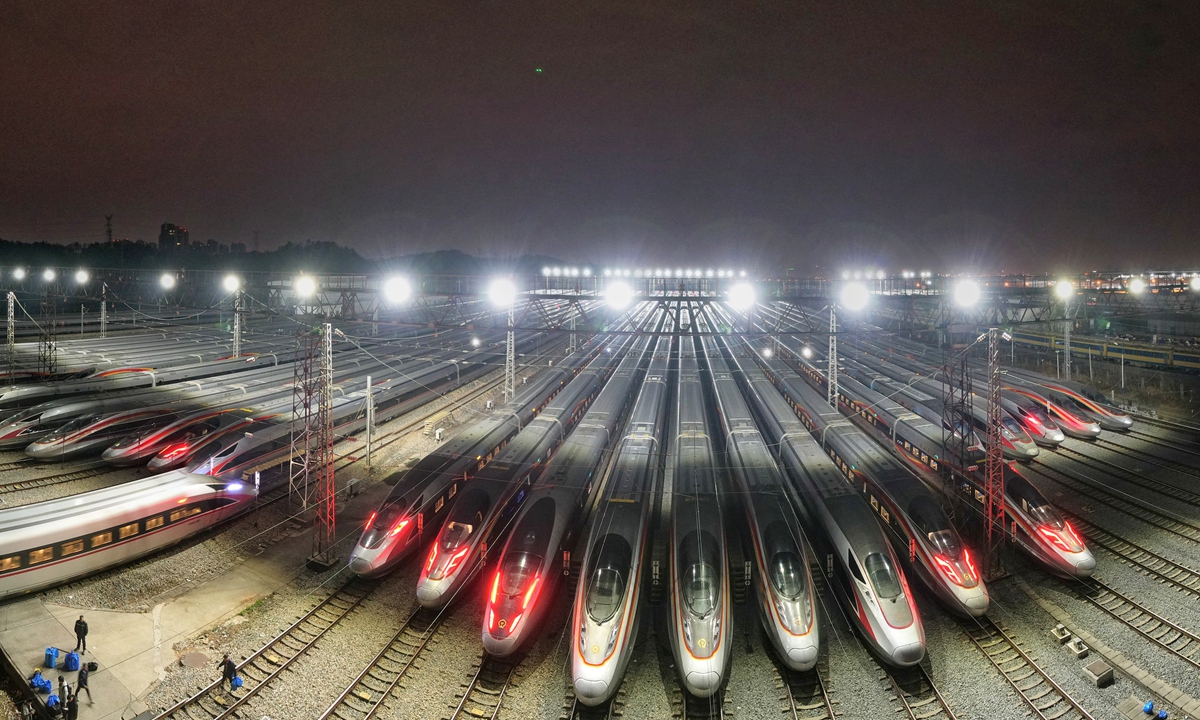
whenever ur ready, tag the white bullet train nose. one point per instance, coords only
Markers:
(802, 655)
(907, 655)
(432, 593)
(977, 605)
(591, 692)
(703, 683)
(499, 646)
(1085, 564)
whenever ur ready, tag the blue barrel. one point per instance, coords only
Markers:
(51, 657)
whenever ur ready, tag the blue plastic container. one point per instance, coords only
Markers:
(51, 657)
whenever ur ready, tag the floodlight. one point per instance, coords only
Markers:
(1064, 289)
(742, 274)
(1137, 286)
(546, 271)
(678, 272)
(806, 351)
(587, 272)
(855, 296)
(167, 281)
(1195, 284)
(474, 342)
(81, 277)
(619, 295)
(397, 290)
(19, 274)
(766, 352)
(880, 275)
(708, 273)
(48, 275)
(231, 283)
(845, 274)
(966, 293)
(304, 286)
(502, 292)
(741, 297)
(607, 272)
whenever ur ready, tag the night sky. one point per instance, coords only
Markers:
(1022, 135)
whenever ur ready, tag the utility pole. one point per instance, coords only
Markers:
(47, 336)
(370, 419)
(831, 395)
(509, 357)
(324, 535)
(237, 322)
(108, 228)
(12, 337)
(103, 309)
(1067, 345)
(994, 468)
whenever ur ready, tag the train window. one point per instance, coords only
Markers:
(883, 576)
(154, 522)
(854, 567)
(71, 547)
(787, 575)
(519, 570)
(11, 562)
(127, 531)
(99, 539)
(181, 513)
(933, 464)
(604, 594)
(700, 579)
(42, 555)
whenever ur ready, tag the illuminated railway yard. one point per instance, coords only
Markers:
(599, 494)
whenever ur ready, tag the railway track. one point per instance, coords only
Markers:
(610, 710)
(1175, 639)
(1147, 457)
(257, 671)
(1150, 562)
(1045, 698)
(367, 693)
(1162, 442)
(1119, 501)
(919, 698)
(804, 695)
(483, 694)
(1135, 478)
(50, 480)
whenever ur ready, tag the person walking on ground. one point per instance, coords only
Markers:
(72, 708)
(81, 634)
(81, 682)
(63, 688)
(228, 671)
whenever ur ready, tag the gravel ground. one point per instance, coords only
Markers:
(8, 708)
(108, 478)
(751, 690)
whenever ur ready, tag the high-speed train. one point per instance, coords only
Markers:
(482, 510)
(421, 495)
(863, 572)
(93, 433)
(532, 559)
(786, 601)
(1041, 532)
(1069, 420)
(176, 437)
(1033, 417)
(609, 601)
(48, 543)
(700, 615)
(1078, 397)
(912, 518)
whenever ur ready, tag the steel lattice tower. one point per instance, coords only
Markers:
(12, 337)
(509, 358)
(994, 469)
(47, 336)
(831, 395)
(311, 470)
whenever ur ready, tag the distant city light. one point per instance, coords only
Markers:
(81, 277)
(167, 281)
(1137, 286)
(48, 275)
(304, 286)
(19, 274)
(966, 293)
(397, 290)
(1064, 289)
(502, 292)
(741, 297)
(618, 295)
(855, 296)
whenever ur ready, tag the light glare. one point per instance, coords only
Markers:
(1064, 289)
(619, 295)
(81, 277)
(304, 286)
(502, 292)
(167, 281)
(19, 273)
(855, 296)
(1137, 286)
(966, 293)
(741, 297)
(397, 290)
(232, 283)
(48, 275)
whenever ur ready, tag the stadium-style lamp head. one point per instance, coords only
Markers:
(855, 296)
(19, 274)
(1137, 286)
(618, 295)
(502, 292)
(741, 297)
(966, 293)
(81, 277)
(1064, 289)
(48, 275)
(397, 290)
(167, 281)
(1195, 284)
(304, 286)
(231, 283)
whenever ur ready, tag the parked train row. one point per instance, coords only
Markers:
(1131, 352)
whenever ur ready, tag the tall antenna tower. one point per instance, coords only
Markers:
(47, 335)
(831, 394)
(994, 510)
(311, 476)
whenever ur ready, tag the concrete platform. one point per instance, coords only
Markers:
(135, 649)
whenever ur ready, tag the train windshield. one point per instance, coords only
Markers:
(785, 568)
(76, 424)
(1033, 502)
(700, 580)
(607, 586)
(1038, 416)
(467, 515)
(929, 519)
(385, 519)
(519, 570)
(883, 576)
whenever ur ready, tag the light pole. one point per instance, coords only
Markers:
(504, 294)
(234, 285)
(1065, 290)
(854, 297)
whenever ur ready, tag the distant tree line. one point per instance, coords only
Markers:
(310, 256)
